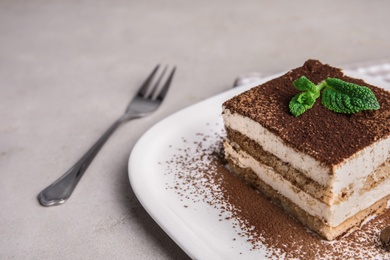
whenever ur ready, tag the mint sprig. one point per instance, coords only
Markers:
(337, 95)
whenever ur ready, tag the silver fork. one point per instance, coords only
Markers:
(147, 100)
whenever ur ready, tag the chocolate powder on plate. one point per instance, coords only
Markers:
(201, 176)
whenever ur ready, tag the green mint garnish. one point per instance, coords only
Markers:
(337, 95)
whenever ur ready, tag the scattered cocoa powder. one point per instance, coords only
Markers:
(200, 176)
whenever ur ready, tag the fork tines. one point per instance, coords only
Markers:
(150, 86)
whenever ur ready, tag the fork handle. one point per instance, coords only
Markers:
(60, 190)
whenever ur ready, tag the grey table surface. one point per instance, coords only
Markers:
(68, 69)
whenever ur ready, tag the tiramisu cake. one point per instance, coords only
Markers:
(328, 169)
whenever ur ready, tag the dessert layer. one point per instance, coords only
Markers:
(352, 170)
(312, 222)
(293, 175)
(331, 215)
(330, 138)
(301, 180)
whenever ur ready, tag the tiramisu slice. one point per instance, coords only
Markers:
(329, 170)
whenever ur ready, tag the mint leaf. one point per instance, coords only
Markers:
(305, 100)
(301, 102)
(337, 95)
(304, 84)
(348, 98)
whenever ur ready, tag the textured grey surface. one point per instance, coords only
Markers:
(68, 68)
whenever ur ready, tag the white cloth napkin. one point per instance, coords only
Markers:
(380, 70)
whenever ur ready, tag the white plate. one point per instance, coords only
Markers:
(198, 231)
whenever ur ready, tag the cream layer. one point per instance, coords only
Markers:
(331, 215)
(349, 173)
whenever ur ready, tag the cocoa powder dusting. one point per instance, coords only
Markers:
(200, 176)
